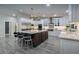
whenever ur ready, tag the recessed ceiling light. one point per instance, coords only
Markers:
(67, 11)
(47, 5)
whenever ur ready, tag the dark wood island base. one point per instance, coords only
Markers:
(39, 37)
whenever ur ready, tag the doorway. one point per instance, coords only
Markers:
(6, 28)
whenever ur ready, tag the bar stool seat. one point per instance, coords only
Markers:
(15, 34)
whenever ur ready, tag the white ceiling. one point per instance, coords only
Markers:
(34, 9)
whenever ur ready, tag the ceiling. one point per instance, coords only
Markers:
(34, 10)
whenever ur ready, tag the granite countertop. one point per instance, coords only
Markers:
(70, 35)
(33, 31)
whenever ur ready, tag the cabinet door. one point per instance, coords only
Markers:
(46, 34)
(39, 38)
(35, 39)
(43, 36)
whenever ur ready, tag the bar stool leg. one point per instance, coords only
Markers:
(27, 44)
(31, 44)
(24, 43)
(21, 43)
(18, 41)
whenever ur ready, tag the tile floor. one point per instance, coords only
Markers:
(53, 45)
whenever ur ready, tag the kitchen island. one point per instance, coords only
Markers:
(37, 36)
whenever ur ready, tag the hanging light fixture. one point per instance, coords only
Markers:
(47, 5)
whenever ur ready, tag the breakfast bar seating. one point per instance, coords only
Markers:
(35, 37)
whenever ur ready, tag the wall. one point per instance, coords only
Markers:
(12, 22)
(1, 26)
(75, 12)
(74, 9)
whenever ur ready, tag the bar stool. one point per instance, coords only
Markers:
(27, 39)
(20, 39)
(16, 36)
